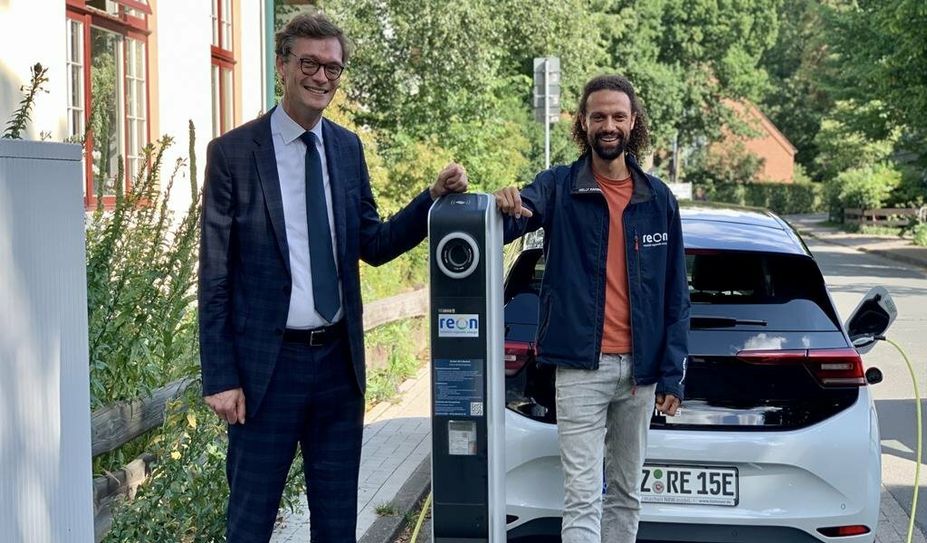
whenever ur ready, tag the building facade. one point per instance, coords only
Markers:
(122, 73)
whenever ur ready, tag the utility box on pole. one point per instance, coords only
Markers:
(547, 97)
(45, 465)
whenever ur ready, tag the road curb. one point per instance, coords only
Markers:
(385, 529)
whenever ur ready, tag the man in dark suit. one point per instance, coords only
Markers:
(287, 215)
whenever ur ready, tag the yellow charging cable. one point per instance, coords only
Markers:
(421, 518)
(917, 459)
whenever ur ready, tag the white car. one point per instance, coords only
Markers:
(778, 438)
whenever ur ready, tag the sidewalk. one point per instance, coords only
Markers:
(893, 247)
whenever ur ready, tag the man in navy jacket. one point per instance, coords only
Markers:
(287, 214)
(614, 311)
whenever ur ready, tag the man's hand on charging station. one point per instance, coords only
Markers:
(668, 404)
(453, 178)
(509, 202)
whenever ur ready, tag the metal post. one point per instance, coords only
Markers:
(546, 113)
(270, 71)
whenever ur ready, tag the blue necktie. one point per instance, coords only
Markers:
(321, 257)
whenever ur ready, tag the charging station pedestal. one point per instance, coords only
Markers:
(467, 370)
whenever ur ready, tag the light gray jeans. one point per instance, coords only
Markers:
(600, 413)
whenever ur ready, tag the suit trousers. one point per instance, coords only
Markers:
(313, 399)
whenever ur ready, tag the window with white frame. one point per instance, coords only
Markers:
(75, 80)
(223, 65)
(108, 91)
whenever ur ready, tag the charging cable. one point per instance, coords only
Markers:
(421, 518)
(917, 459)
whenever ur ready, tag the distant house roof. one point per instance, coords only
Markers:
(773, 130)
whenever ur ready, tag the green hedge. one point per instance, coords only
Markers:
(779, 197)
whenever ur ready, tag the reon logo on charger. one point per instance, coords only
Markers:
(451, 325)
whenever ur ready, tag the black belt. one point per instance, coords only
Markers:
(316, 337)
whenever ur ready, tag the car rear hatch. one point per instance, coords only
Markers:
(767, 349)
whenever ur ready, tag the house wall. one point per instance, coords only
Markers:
(251, 59)
(34, 31)
(779, 159)
(184, 39)
(769, 144)
(179, 72)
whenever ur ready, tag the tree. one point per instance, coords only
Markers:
(882, 50)
(799, 97)
(686, 56)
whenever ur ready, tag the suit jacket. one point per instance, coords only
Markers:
(244, 272)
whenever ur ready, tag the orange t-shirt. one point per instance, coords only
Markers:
(616, 332)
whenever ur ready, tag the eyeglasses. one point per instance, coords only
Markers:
(311, 67)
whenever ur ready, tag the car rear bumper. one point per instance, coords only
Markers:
(547, 530)
(825, 475)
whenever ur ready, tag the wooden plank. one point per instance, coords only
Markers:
(395, 308)
(110, 488)
(887, 211)
(115, 425)
(853, 215)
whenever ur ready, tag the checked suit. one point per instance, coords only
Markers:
(295, 392)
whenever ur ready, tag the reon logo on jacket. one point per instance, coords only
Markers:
(654, 240)
(458, 325)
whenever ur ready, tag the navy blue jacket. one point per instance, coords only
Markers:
(244, 274)
(568, 204)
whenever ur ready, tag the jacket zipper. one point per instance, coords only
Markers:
(630, 300)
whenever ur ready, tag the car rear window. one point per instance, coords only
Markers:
(786, 292)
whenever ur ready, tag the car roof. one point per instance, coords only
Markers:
(736, 228)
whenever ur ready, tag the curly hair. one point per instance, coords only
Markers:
(639, 140)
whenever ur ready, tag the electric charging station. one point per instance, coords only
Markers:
(467, 370)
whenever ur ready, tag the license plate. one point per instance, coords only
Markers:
(690, 485)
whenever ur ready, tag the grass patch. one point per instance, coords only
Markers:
(387, 509)
(880, 230)
(402, 362)
(920, 234)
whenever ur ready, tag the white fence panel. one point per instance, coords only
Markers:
(45, 470)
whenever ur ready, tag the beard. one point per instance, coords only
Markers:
(608, 153)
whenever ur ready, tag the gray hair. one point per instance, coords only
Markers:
(314, 26)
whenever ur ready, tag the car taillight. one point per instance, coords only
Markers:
(831, 367)
(517, 355)
(844, 531)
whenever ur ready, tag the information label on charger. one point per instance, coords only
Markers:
(461, 438)
(458, 387)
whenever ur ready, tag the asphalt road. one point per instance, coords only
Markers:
(849, 275)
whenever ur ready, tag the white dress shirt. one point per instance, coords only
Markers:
(291, 169)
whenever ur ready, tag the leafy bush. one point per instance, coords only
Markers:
(402, 363)
(912, 191)
(861, 188)
(185, 498)
(732, 164)
(920, 234)
(779, 197)
(20, 119)
(141, 277)
(842, 143)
